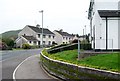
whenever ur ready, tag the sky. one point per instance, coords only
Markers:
(69, 15)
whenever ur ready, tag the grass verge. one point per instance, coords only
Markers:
(101, 61)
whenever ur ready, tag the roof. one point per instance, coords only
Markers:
(39, 30)
(64, 33)
(109, 13)
(29, 37)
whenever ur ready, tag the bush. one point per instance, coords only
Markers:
(58, 46)
(69, 47)
(53, 43)
(35, 46)
(26, 46)
(75, 41)
(8, 41)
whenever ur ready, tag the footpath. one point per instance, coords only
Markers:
(31, 69)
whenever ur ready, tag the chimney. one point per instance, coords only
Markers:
(61, 30)
(38, 26)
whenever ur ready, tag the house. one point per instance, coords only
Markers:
(33, 36)
(105, 24)
(81, 38)
(62, 37)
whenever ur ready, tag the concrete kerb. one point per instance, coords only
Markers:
(80, 66)
(49, 73)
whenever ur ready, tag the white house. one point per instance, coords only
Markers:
(33, 36)
(104, 16)
(62, 37)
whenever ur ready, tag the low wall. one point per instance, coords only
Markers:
(65, 71)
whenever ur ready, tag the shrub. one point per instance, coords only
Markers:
(35, 46)
(69, 47)
(53, 43)
(75, 41)
(26, 46)
(8, 41)
(58, 46)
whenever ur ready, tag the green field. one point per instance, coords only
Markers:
(104, 61)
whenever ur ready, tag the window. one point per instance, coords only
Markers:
(44, 36)
(63, 42)
(63, 37)
(29, 41)
(49, 43)
(35, 42)
(44, 42)
(38, 35)
(66, 38)
(53, 37)
(49, 36)
(39, 42)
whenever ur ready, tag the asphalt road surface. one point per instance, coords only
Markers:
(10, 59)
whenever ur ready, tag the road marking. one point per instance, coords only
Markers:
(19, 66)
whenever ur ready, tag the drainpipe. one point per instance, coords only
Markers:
(106, 33)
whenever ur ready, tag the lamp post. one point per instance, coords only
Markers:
(42, 26)
(78, 49)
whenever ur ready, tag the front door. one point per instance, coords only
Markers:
(39, 43)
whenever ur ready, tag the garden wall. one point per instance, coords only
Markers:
(66, 71)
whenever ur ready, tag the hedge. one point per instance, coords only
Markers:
(69, 47)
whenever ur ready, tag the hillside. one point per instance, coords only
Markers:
(10, 34)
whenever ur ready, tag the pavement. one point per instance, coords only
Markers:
(31, 69)
(11, 59)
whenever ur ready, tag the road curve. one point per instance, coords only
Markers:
(11, 59)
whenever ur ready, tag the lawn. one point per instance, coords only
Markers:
(104, 61)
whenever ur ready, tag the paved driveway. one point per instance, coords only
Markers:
(10, 60)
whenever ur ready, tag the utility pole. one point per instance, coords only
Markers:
(78, 49)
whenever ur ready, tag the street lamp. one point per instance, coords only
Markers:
(42, 26)
(85, 32)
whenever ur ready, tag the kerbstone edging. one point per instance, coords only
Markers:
(84, 70)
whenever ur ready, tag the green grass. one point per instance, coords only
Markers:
(104, 61)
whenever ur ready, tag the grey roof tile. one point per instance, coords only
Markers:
(109, 13)
(39, 30)
(30, 38)
(64, 33)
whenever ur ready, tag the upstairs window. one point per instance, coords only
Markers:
(49, 36)
(53, 37)
(66, 38)
(44, 36)
(38, 35)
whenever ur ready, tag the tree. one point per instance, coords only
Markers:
(9, 42)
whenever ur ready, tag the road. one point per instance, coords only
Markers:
(10, 59)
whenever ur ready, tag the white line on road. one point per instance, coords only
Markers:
(19, 66)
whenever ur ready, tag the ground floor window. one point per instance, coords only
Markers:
(34, 42)
(44, 42)
(38, 42)
(49, 43)
(29, 41)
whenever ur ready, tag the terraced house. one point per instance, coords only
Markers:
(62, 37)
(33, 36)
(104, 16)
